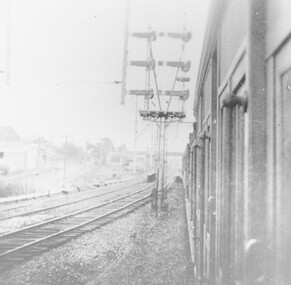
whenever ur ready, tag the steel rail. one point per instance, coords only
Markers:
(12, 251)
(116, 189)
(72, 228)
(31, 248)
(89, 188)
(72, 214)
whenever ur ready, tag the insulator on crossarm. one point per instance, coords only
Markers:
(186, 67)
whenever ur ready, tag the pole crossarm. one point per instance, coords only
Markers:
(152, 35)
(185, 36)
(184, 95)
(183, 79)
(147, 35)
(150, 64)
(149, 94)
(162, 114)
(185, 66)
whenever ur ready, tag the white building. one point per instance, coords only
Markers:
(18, 156)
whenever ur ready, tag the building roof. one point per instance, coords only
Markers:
(8, 134)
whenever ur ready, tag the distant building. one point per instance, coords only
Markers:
(16, 155)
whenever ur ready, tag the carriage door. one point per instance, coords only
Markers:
(233, 156)
(283, 163)
(200, 194)
(205, 137)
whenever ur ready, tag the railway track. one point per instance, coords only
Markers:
(64, 201)
(22, 244)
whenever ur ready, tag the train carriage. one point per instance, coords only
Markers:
(237, 166)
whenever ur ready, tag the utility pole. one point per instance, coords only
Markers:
(8, 55)
(152, 148)
(125, 52)
(163, 161)
(160, 126)
(100, 153)
(135, 136)
(65, 161)
(85, 166)
(110, 153)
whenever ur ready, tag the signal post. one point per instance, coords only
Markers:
(161, 116)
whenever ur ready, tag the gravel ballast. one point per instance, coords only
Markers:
(136, 249)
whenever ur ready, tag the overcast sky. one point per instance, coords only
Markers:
(61, 51)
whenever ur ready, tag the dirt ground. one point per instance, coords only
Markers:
(159, 253)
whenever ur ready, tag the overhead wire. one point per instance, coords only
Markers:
(175, 79)
(141, 132)
(89, 82)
